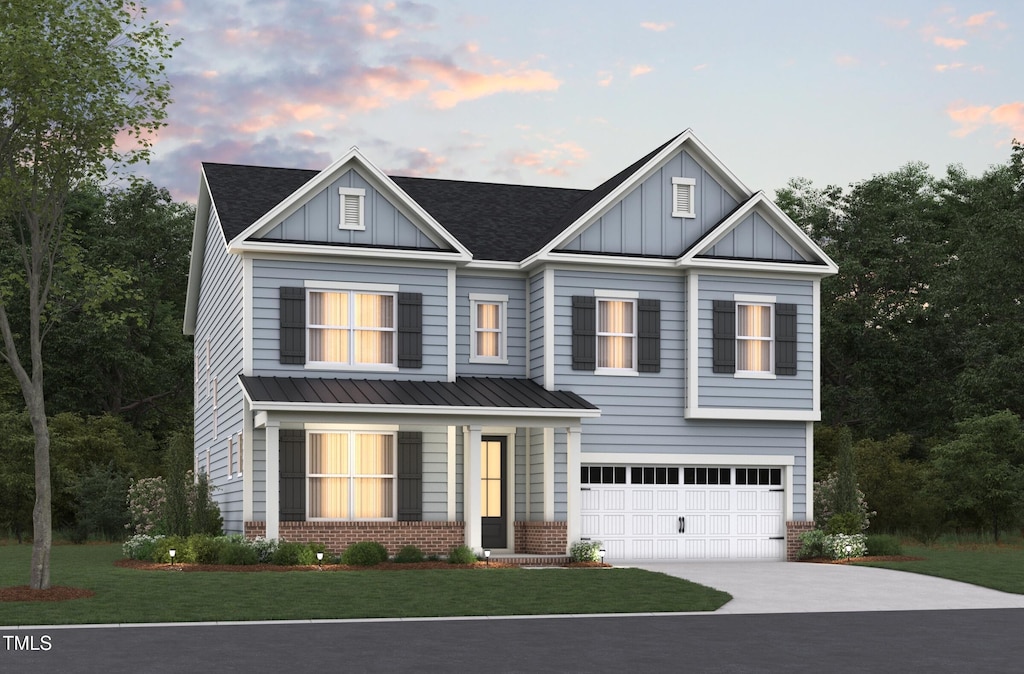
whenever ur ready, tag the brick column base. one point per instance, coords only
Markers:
(541, 538)
(793, 543)
(433, 538)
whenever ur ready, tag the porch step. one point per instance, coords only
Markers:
(532, 560)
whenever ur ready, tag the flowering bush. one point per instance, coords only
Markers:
(265, 549)
(585, 551)
(140, 546)
(183, 507)
(844, 546)
(147, 498)
(825, 499)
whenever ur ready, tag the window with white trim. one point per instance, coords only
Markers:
(350, 208)
(351, 476)
(616, 334)
(488, 316)
(208, 367)
(241, 454)
(231, 455)
(683, 198)
(754, 338)
(351, 328)
(215, 407)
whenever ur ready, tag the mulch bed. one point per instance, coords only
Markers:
(386, 566)
(55, 593)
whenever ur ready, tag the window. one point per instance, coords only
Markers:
(654, 475)
(350, 208)
(707, 475)
(351, 328)
(754, 338)
(231, 455)
(488, 315)
(682, 197)
(616, 334)
(351, 476)
(754, 476)
(603, 475)
(241, 455)
(215, 408)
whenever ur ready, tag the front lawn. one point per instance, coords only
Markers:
(998, 566)
(131, 596)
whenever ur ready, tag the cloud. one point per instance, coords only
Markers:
(949, 42)
(606, 78)
(640, 69)
(657, 27)
(978, 19)
(556, 160)
(702, 66)
(943, 67)
(418, 162)
(846, 60)
(1009, 116)
(466, 85)
(898, 24)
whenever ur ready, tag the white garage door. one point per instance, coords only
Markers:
(684, 513)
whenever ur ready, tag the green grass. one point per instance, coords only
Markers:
(131, 596)
(1000, 567)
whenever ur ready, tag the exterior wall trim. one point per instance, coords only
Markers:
(762, 414)
(681, 458)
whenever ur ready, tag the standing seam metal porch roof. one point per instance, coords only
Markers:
(482, 392)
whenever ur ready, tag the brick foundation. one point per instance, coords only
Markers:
(433, 538)
(541, 538)
(793, 544)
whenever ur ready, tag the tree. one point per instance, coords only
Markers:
(82, 89)
(981, 472)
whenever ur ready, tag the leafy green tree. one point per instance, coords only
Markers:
(101, 506)
(74, 74)
(980, 473)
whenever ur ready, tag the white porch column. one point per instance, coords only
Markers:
(246, 451)
(573, 437)
(471, 506)
(273, 479)
(549, 474)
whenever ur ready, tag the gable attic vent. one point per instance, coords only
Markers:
(351, 208)
(682, 197)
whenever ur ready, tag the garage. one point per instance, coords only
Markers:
(669, 513)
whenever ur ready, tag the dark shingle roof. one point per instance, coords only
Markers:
(464, 392)
(495, 221)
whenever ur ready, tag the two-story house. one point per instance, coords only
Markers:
(514, 368)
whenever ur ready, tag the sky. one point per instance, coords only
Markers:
(566, 94)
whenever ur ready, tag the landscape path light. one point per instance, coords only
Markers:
(320, 560)
(600, 553)
(487, 556)
(172, 552)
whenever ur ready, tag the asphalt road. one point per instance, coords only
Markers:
(989, 640)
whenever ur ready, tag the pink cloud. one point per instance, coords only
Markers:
(638, 70)
(556, 160)
(899, 24)
(702, 66)
(943, 67)
(606, 78)
(419, 162)
(973, 117)
(657, 27)
(846, 61)
(949, 42)
(466, 85)
(978, 19)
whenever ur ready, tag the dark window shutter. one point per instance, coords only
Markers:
(648, 336)
(293, 325)
(584, 333)
(410, 329)
(410, 476)
(723, 351)
(292, 453)
(785, 339)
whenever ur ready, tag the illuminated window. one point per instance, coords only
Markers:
(490, 479)
(351, 476)
(754, 338)
(616, 334)
(352, 328)
(489, 336)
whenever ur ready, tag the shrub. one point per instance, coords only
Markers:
(843, 546)
(410, 554)
(461, 555)
(287, 554)
(203, 548)
(237, 553)
(364, 553)
(166, 543)
(812, 544)
(307, 556)
(146, 500)
(585, 551)
(844, 523)
(100, 501)
(140, 546)
(882, 545)
(265, 549)
(825, 497)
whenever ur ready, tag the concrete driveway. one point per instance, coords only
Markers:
(796, 587)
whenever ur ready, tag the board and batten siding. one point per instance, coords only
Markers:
(755, 238)
(270, 275)
(317, 220)
(641, 223)
(718, 390)
(515, 289)
(219, 321)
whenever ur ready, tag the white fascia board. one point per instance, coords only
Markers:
(676, 458)
(195, 267)
(427, 410)
(353, 159)
(605, 260)
(257, 246)
(493, 265)
(700, 153)
(761, 414)
(801, 270)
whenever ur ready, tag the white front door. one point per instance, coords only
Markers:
(684, 513)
